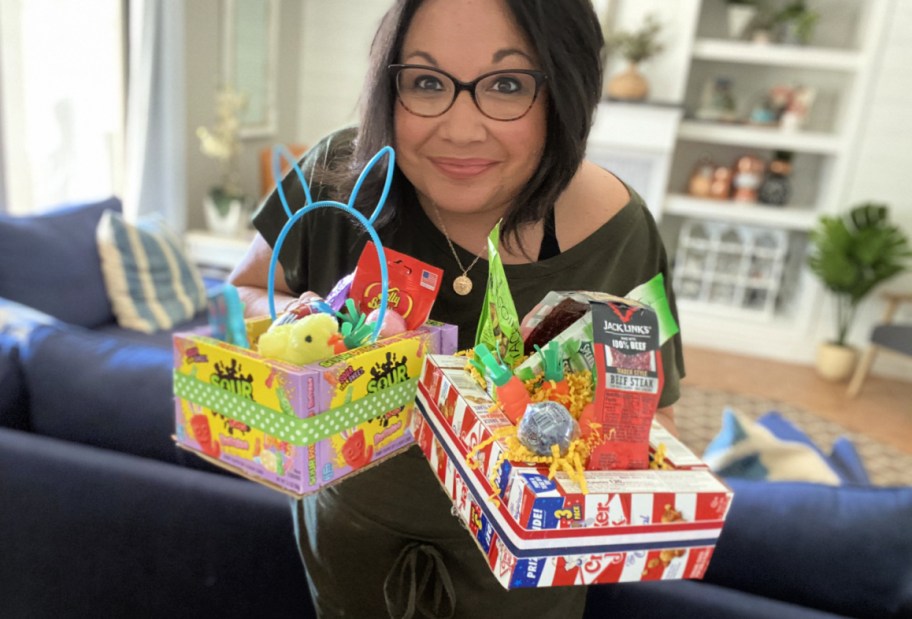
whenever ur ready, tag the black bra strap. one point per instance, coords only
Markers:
(549, 246)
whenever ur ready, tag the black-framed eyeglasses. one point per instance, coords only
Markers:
(499, 95)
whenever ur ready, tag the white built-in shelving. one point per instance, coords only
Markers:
(790, 56)
(801, 218)
(769, 138)
(836, 65)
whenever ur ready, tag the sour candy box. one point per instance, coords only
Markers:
(308, 398)
(299, 428)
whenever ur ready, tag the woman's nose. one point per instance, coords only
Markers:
(464, 122)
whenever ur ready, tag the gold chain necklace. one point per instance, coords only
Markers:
(462, 284)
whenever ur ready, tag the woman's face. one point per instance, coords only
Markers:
(463, 161)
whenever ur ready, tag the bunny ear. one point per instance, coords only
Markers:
(390, 169)
(279, 152)
(349, 208)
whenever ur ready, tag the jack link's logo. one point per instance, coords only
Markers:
(389, 373)
(231, 378)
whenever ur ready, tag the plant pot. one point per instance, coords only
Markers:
(739, 18)
(224, 214)
(762, 36)
(628, 85)
(836, 363)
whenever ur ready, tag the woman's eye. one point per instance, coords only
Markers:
(506, 84)
(428, 83)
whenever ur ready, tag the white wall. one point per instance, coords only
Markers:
(335, 39)
(202, 75)
(884, 161)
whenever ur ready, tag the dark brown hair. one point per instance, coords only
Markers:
(567, 39)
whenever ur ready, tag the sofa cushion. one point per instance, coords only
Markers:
(17, 323)
(100, 390)
(689, 599)
(13, 401)
(151, 283)
(50, 262)
(94, 533)
(842, 549)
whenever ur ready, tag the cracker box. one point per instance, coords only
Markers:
(299, 428)
(539, 532)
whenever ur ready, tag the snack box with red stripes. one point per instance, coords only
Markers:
(540, 532)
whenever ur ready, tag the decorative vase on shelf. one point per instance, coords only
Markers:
(224, 213)
(628, 85)
(740, 15)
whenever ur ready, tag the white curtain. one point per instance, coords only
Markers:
(155, 177)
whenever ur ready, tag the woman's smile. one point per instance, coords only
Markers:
(457, 168)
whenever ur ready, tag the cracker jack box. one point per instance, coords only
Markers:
(631, 525)
(300, 427)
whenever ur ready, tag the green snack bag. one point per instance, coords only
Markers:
(498, 326)
(652, 293)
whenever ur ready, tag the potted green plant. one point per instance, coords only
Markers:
(798, 22)
(852, 254)
(224, 203)
(635, 46)
(762, 28)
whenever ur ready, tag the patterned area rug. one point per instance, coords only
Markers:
(699, 413)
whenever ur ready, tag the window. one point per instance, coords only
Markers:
(62, 89)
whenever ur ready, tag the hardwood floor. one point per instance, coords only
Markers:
(883, 409)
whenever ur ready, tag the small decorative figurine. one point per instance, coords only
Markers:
(776, 188)
(747, 178)
(721, 185)
(701, 179)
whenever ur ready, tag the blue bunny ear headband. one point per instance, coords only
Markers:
(281, 152)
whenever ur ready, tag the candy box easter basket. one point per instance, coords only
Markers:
(540, 532)
(652, 512)
(298, 428)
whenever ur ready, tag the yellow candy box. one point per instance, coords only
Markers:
(299, 428)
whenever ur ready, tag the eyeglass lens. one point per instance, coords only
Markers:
(502, 96)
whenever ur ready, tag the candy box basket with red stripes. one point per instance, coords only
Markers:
(541, 532)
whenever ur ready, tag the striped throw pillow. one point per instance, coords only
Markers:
(151, 283)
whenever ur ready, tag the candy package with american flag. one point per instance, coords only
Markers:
(413, 285)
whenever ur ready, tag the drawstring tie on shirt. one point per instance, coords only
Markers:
(432, 594)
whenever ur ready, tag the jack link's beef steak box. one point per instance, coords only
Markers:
(629, 525)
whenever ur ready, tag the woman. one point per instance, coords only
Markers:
(511, 147)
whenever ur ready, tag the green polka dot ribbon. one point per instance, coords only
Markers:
(288, 428)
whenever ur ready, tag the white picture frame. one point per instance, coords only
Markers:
(250, 59)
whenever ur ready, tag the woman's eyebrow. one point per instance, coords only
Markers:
(510, 51)
(430, 59)
(499, 55)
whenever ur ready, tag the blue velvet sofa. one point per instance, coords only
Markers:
(102, 516)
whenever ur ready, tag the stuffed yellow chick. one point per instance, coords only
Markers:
(312, 338)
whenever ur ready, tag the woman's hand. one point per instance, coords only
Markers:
(251, 276)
